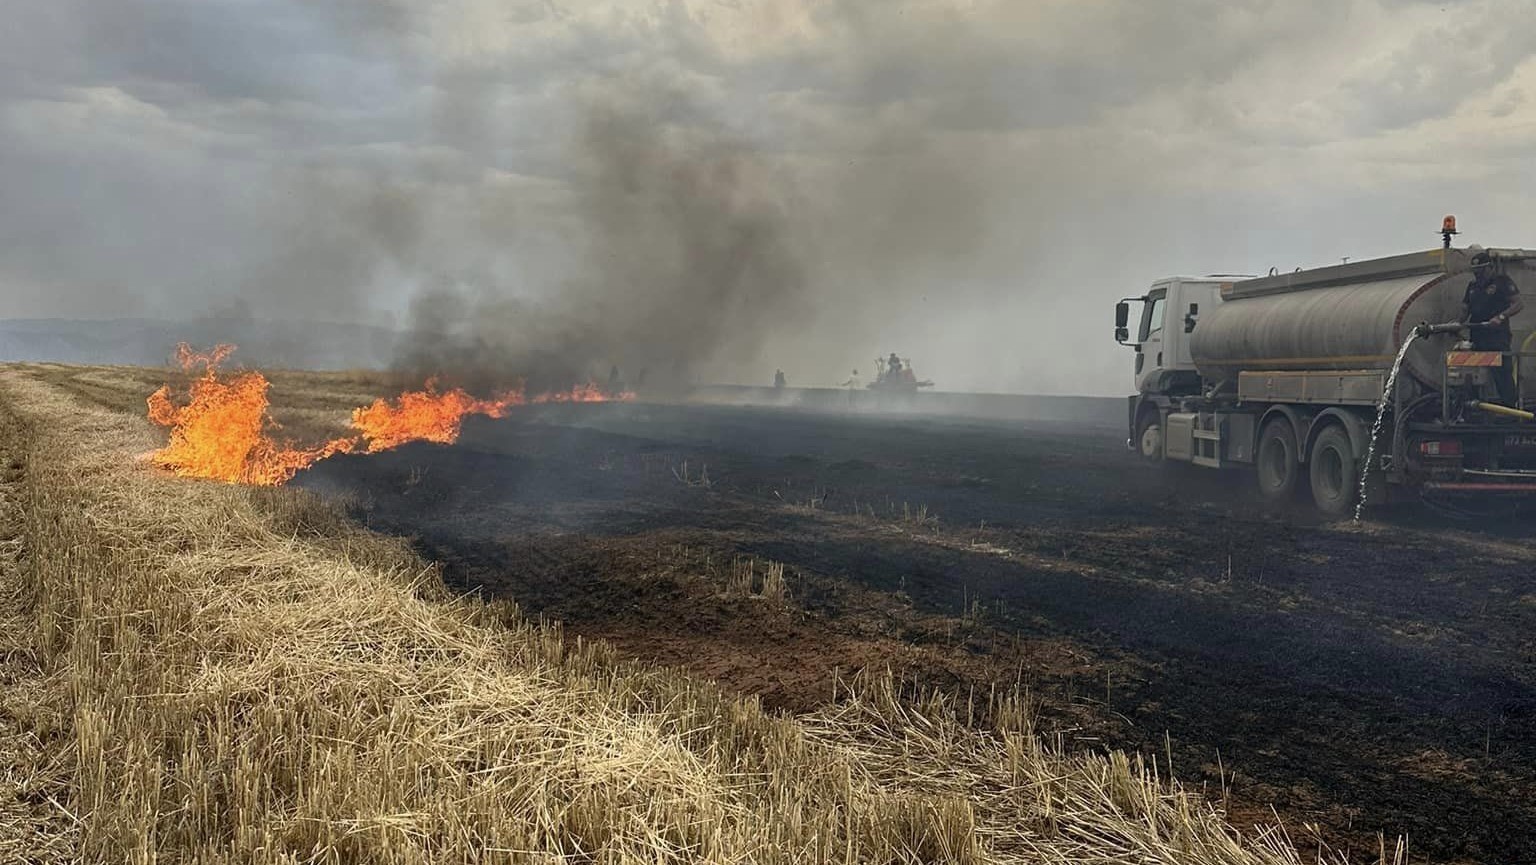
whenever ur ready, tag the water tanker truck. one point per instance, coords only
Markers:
(1286, 376)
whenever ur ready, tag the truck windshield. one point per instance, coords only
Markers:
(1152, 315)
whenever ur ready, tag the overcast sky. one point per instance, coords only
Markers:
(970, 183)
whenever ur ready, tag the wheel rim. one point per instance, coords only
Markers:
(1152, 442)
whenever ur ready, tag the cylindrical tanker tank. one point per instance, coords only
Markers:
(1345, 317)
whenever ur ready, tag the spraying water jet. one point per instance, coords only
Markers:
(1381, 413)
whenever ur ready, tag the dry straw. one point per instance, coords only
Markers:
(242, 676)
(34, 826)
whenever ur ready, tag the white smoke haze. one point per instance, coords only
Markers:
(709, 191)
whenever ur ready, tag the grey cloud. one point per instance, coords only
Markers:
(211, 47)
(1436, 71)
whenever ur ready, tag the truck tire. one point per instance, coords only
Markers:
(1334, 472)
(1149, 436)
(1278, 462)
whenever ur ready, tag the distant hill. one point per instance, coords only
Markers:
(152, 342)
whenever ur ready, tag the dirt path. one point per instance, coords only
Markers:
(1374, 679)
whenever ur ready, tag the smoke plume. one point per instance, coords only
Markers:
(687, 261)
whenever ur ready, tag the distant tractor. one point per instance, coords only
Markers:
(895, 375)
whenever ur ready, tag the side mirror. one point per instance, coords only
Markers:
(1122, 315)
(1121, 335)
(1189, 320)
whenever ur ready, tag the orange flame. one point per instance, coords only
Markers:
(223, 431)
(424, 415)
(589, 392)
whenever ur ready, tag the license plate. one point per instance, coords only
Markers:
(1517, 440)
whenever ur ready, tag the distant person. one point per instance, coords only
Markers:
(1492, 299)
(778, 379)
(613, 379)
(854, 383)
(893, 366)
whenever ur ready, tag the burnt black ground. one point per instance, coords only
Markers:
(1374, 678)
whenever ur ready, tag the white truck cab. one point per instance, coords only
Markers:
(1169, 311)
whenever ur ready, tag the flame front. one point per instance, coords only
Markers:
(589, 392)
(223, 432)
(424, 415)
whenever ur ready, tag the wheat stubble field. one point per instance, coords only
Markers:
(202, 672)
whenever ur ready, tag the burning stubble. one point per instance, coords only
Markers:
(221, 430)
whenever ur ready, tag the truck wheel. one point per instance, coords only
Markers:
(1334, 473)
(1278, 462)
(1149, 436)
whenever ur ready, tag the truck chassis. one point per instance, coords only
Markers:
(1314, 428)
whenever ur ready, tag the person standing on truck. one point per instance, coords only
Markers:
(1492, 299)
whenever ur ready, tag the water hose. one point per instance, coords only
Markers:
(1425, 329)
(1505, 410)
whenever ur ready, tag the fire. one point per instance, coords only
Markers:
(223, 431)
(427, 415)
(589, 392)
(424, 415)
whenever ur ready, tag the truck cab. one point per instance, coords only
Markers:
(1169, 312)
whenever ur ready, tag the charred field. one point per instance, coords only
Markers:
(1356, 679)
